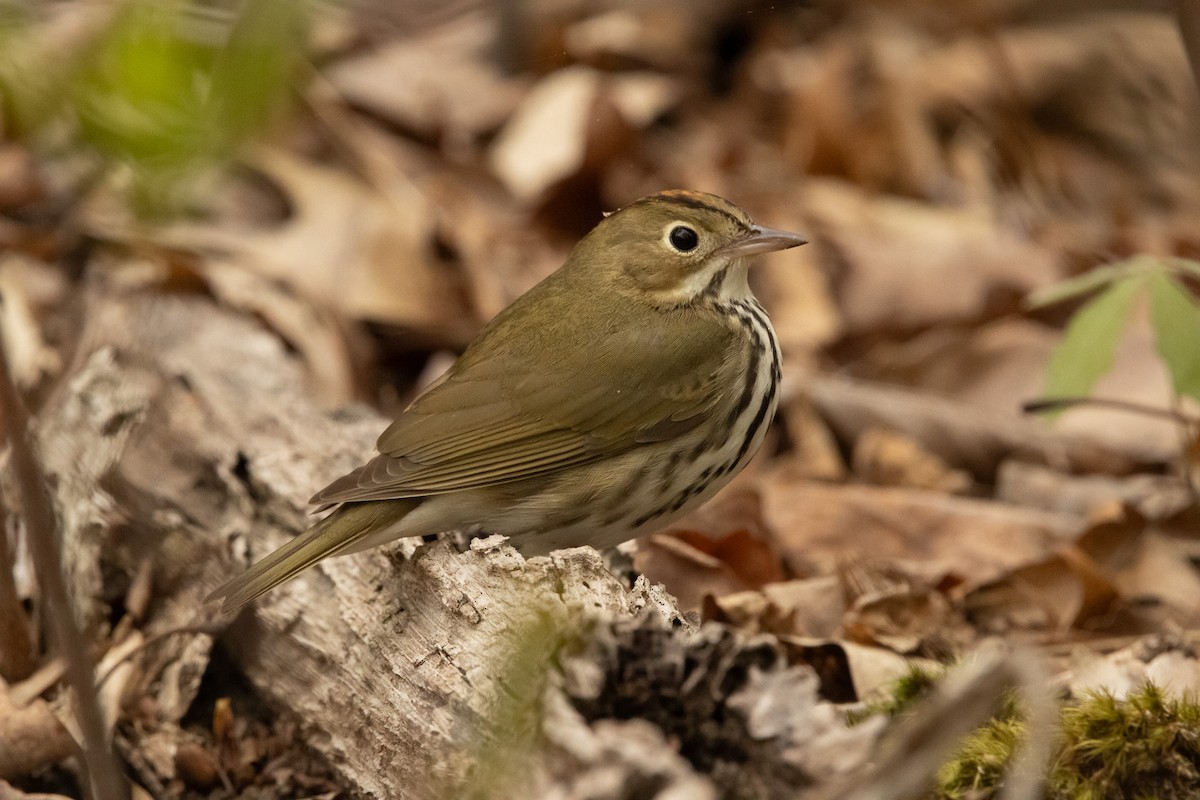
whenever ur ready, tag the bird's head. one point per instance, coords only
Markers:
(678, 247)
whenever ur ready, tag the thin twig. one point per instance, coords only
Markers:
(1187, 14)
(107, 781)
(16, 645)
(1061, 403)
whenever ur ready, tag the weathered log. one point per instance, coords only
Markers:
(185, 434)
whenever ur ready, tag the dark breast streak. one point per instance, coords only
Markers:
(760, 339)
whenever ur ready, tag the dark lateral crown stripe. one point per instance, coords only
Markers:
(691, 199)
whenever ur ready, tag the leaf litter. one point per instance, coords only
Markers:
(945, 166)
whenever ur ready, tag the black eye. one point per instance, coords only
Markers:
(683, 238)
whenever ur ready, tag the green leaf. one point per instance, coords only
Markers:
(1089, 281)
(251, 74)
(1086, 351)
(1176, 321)
(1186, 265)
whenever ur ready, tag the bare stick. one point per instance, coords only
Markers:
(1187, 14)
(16, 645)
(1061, 403)
(41, 527)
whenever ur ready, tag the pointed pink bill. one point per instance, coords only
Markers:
(762, 240)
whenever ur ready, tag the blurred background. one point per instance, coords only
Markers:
(377, 179)
(372, 180)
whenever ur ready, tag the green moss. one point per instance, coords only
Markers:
(1145, 746)
(978, 767)
(902, 695)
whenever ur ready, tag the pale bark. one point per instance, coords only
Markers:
(185, 433)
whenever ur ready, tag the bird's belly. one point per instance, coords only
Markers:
(614, 499)
(610, 502)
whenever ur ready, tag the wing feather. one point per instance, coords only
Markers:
(521, 403)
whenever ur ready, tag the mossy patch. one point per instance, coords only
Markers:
(1145, 746)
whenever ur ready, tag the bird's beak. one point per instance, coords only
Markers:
(762, 240)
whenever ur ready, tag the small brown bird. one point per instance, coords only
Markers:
(618, 394)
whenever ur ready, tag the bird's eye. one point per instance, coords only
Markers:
(683, 238)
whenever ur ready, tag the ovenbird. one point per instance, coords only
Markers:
(619, 393)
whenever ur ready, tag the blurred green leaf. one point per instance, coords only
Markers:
(1089, 281)
(1176, 321)
(251, 73)
(1186, 266)
(1086, 351)
(175, 88)
(173, 83)
(142, 98)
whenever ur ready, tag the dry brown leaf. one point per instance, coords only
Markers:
(964, 436)
(573, 121)
(810, 608)
(813, 607)
(20, 183)
(820, 526)
(664, 35)
(849, 672)
(1121, 559)
(1003, 364)
(742, 610)
(31, 737)
(752, 558)
(1084, 111)
(1143, 562)
(814, 449)
(27, 289)
(905, 265)
(500, 251)
(797, 294)
(1036, 486)
(347, 245)
(10, 792)
(443, 82)
(901, 621)
(689, 574)
(1052, 595)
(886, 458)
(547, 140)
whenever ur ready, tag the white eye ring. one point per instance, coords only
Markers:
(681, 237)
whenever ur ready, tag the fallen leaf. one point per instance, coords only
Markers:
(849, 672)
(814, 448)
(442, 82)
(900, 263)
(811, 607)
(886, 458)
(28, 289)
(574, 120)
(1143, 563)
(688, 573)
(347, 245)
(964, 436)
(1001, 365)
(820, 526)
(1036, 486)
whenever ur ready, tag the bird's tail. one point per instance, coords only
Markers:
(343, 531)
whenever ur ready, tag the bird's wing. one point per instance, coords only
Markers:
(523, 406)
